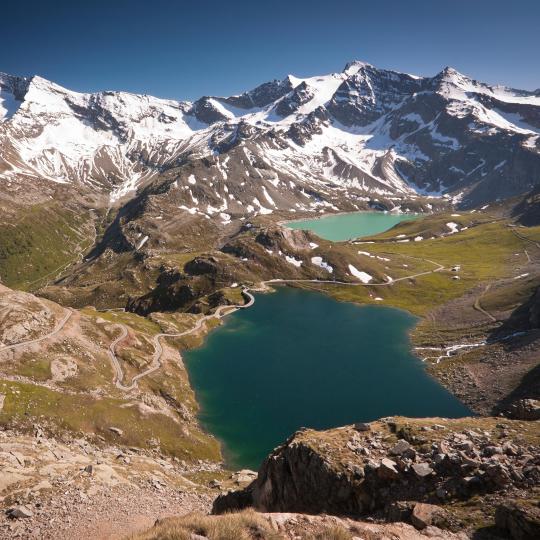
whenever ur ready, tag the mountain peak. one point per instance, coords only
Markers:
(450, 74)
(355, 66)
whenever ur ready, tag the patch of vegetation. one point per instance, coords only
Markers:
(247, 525)
(512, 295)
(134, 321)
(233, 295)
(79, 413)
(38, 369)
(107, 282)
(432, 225)
(484, 252)
(40, 243)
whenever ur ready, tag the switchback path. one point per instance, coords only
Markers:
(57, 329)
(158, 349)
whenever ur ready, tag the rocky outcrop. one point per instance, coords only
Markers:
(185, 290)
(525, 409)
(283, 238)
(171, 293)
(519, 521)
(397, 470)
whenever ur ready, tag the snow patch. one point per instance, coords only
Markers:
(362, 276)
(454, 227)
(142, 242)
(318, 261)
(293, 261)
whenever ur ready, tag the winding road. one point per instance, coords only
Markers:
(218, 314)
(158, 349)
(57, 329)
(224, 310)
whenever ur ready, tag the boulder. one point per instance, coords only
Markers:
(424, 515)
(492, 450)
(519, 521)
(399, 511)
(243, 476)
(400, 447)
(18, 512)
(499, 475)
(422, 470)
(388, 469)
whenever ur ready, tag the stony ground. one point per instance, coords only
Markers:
(111, 513)
(74, 490)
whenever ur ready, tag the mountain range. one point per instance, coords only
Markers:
(323, 143)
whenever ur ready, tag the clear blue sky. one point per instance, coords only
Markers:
(185, 49)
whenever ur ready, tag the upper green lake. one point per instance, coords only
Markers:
(339, 227)
(299, 358)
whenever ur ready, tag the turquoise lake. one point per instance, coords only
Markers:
(299, 358)
(341, 227)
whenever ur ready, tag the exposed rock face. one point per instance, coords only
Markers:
(170, 293)
(347, 472)
(534, 309)
(261, 96)
(284, 238)
(301, 94)
(528, 210)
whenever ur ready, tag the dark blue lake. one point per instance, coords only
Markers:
(299, 358)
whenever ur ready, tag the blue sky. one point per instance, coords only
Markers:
(185, 49)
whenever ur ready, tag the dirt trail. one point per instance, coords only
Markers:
(479, 307)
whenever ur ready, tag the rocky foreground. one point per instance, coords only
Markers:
(479, 475)
(394, 478)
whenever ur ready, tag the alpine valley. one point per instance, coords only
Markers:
(132, 226)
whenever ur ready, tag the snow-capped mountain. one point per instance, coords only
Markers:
(293, 145)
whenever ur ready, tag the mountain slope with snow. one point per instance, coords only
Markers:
(301, 144)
